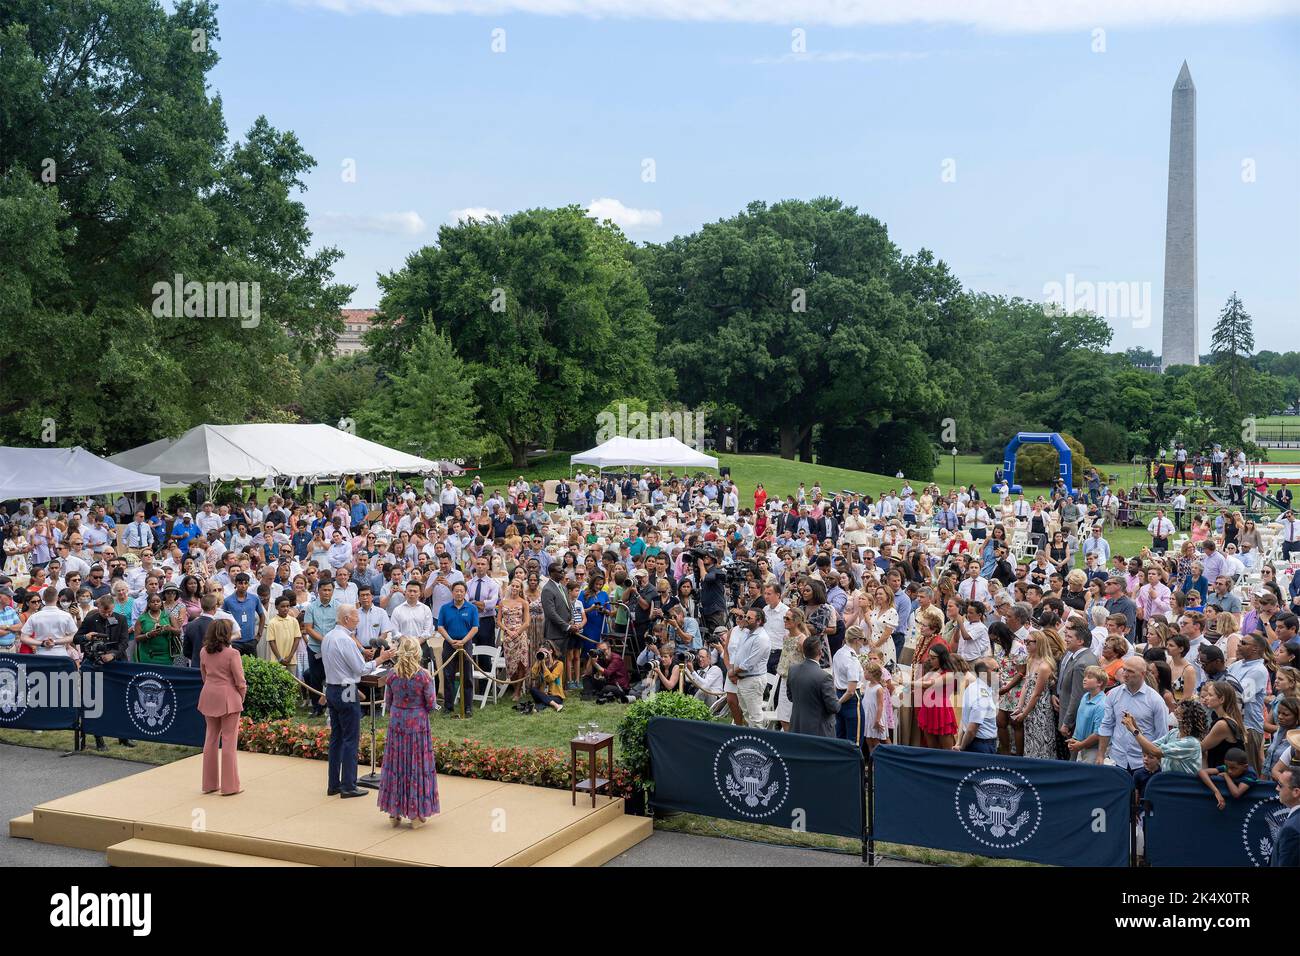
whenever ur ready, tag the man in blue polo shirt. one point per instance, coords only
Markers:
(185, 531)
(359, 511)
(249, 615)
(320, 617)
(457, 625)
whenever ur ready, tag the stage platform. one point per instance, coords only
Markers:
(284, 818)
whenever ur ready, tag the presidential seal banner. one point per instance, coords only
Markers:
(39, 692)
(1183, 826)
(1046, 811)
(812, 784)
(149, 702)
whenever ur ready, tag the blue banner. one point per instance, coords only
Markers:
(149, 702)
(813, 784)
(39, 692)
(1046, 811)
(1183, 826)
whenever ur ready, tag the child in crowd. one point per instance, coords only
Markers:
(1236, 773)
(284, 631)
(874, 707)
(1092, 708)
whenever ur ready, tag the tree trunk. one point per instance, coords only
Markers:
(518, 453)
(789, 441)
(805, 444)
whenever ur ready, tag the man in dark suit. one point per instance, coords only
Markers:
(1069, 684)
(814, 702)
(555, 608)
(197, 629)
(1286, 846)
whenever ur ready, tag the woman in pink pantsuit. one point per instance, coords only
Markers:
(221, 702)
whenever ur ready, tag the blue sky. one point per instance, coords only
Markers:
(1059, 152)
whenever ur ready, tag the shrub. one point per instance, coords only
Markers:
(272, 691)
(903, 446)
(543, 767)
(632, 728)
(1039, 464)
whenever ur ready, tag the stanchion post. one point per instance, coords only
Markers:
(869, 814)
(1134, 810)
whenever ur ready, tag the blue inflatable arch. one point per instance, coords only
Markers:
(1066, 463)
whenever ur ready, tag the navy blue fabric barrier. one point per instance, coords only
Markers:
(149, 702)
(39, 693)
(1046, 811)
(756, 776)
(1183, 826)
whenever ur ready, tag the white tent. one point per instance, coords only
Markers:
(64, 473)
(210, 453)
(656, 452)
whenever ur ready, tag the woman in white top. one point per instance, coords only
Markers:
(855, 527)
(884, 621)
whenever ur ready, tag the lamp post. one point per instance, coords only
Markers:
(954, 466)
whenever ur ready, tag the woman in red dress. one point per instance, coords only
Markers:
(935, 716)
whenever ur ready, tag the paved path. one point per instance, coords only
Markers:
(33, 776)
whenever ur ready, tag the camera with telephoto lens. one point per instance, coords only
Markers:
(94, 646)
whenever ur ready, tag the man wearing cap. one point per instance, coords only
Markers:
(185, 531)
(10, 623)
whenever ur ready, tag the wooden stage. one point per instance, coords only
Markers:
(283, 818)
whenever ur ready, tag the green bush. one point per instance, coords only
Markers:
(1038, 464)
(903, 446)
(635, 753)
(272, 691)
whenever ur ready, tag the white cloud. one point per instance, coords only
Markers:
(390, 223)
(624, 216)
(995, 15)
(474, 212)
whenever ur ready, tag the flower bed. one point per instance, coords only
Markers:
(460, 758)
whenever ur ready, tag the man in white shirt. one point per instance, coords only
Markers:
(774, 613)
(972, 634)
(207, 520)
(1161, 528)
(974, 587)
(373, 623)
(50, 630)
(979, 732)
(414, 619)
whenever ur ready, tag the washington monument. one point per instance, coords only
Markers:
(1179, 346)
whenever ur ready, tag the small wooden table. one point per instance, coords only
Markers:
(591, 748)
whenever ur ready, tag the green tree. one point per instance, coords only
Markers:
(116, 176)
(1231, 346)
(547, 311)
(337, 389)
(427, 405)
(804, 313)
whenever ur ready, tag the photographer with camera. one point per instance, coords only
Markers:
(664, 673)
(546, 679)
(713, 588)
(706, 676)
(606, 677)
(102, 638)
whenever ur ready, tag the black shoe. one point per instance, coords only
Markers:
(345, 794)
(127, 743)
(101, 746)
(332, 792)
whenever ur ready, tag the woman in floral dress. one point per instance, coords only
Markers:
(513, 619)
(1010, 654)
(16, 548)
(536, 619)
(408, 786)
(1034, 712)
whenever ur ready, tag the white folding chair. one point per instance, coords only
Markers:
(768, 713)
(491, 655)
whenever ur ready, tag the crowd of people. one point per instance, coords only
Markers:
(910, 617)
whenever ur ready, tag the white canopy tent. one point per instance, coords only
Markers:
(653, 452)
(209, 453)
(65, 473)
